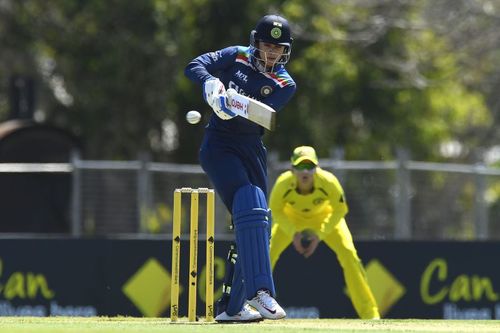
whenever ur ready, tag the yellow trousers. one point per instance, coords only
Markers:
(340, 241)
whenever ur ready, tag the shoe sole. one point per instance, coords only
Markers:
(239, 321)
(273, 318)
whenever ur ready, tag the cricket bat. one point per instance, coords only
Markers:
(251, 109)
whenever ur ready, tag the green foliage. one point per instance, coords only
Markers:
(371, 76)
(371, 86)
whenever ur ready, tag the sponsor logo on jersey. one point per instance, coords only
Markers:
(215, 55)
(241, 76)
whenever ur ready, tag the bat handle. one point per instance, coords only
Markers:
(231, 92)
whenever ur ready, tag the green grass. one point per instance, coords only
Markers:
(136, 325)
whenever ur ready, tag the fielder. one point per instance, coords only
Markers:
(234, 157)
(311, 200)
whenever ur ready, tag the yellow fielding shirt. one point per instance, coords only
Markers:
(319, 210)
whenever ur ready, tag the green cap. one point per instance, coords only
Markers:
(304, 153)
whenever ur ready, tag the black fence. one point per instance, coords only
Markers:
(88, 277)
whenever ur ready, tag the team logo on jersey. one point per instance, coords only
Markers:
(266, 91)
(318, 201)
(276, 32)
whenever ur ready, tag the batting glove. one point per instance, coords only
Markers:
(214, 93)
(221, 108)
(212, 88)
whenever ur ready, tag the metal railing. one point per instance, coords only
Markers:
(399, 199)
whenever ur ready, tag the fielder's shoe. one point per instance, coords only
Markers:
(374, 318)
(246, 315)
(267, 305)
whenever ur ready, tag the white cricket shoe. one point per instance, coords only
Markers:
(247, 314)
(267, 305)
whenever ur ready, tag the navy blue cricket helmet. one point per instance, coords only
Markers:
(273, 29)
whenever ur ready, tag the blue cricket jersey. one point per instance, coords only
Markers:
(233, 67)
(232, 153)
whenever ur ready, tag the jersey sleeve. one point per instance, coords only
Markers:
(206, 65)
(277, 204)
(337, 201)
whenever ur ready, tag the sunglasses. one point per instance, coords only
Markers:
(305, 167)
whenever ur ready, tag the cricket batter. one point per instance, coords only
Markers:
(310, 200)
(234, 157)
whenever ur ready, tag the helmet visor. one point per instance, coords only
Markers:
(270, 58)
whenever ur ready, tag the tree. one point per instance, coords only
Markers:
(372, 75)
